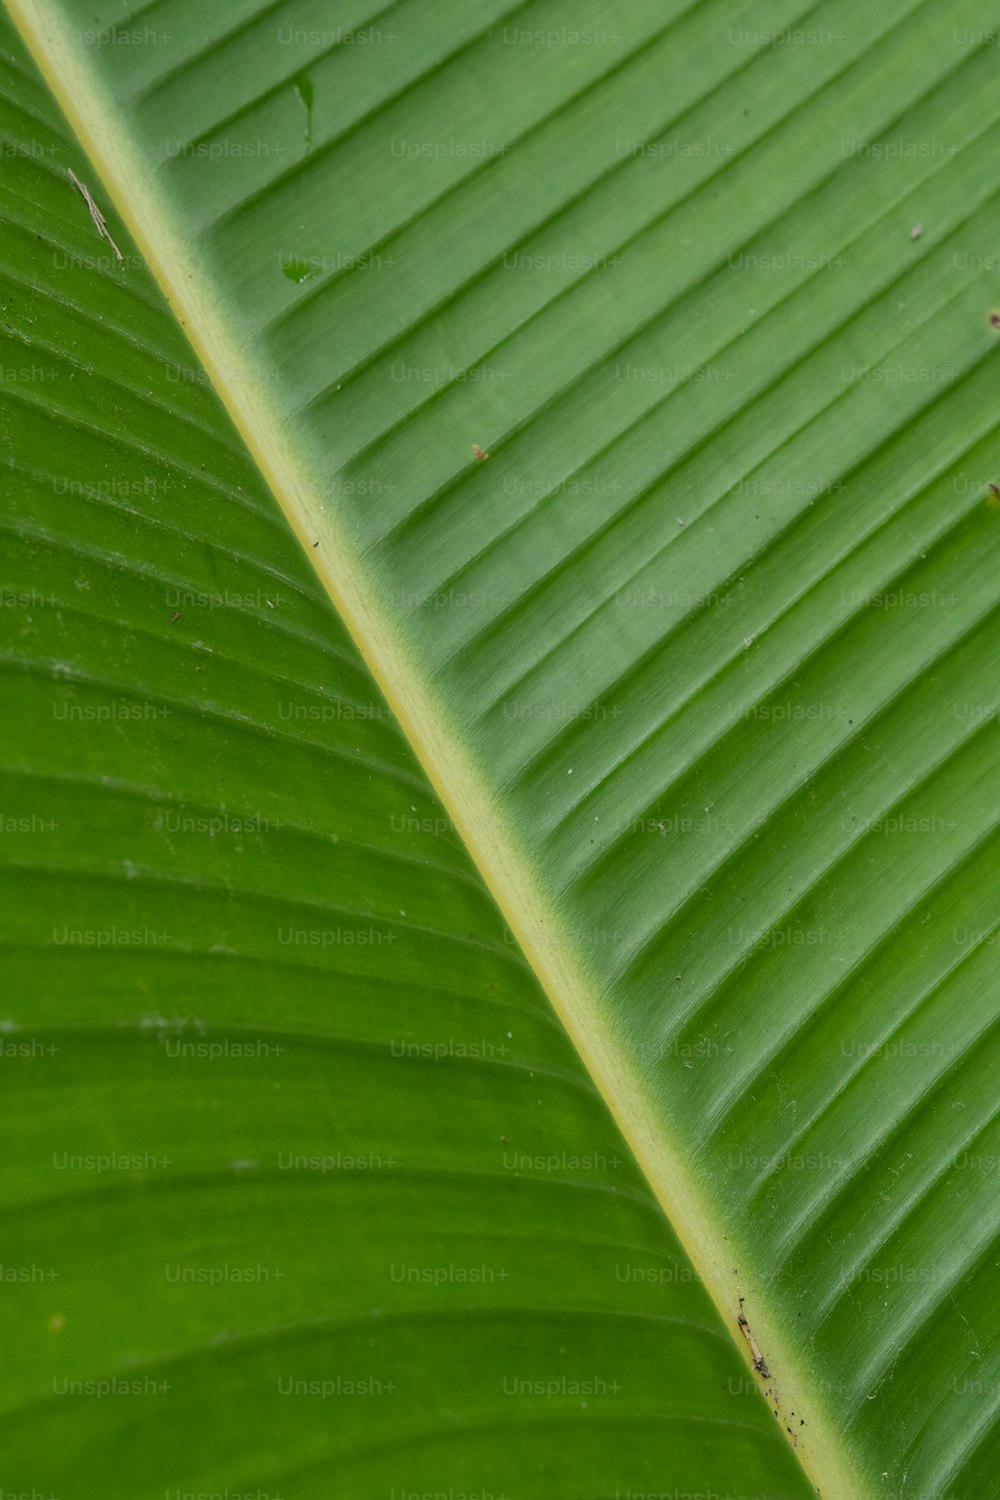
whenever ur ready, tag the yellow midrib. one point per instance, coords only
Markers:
(438, 746)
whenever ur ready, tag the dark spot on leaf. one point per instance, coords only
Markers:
(304, 89)
(299, 270)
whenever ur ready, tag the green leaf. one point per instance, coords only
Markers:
(303, 1185)
(624, 373)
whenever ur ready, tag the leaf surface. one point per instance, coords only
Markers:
(302, 1182)
(700, 655)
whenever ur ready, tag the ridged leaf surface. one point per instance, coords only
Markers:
(627, 374)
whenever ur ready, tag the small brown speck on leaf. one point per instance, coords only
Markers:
(477, 452)
(995, 320)
(175, 615)
(95, 213)
(759, 1362)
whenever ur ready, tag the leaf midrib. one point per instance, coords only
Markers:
(297, 483)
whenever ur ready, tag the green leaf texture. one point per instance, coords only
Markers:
(304, 1189)
(626, 371)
